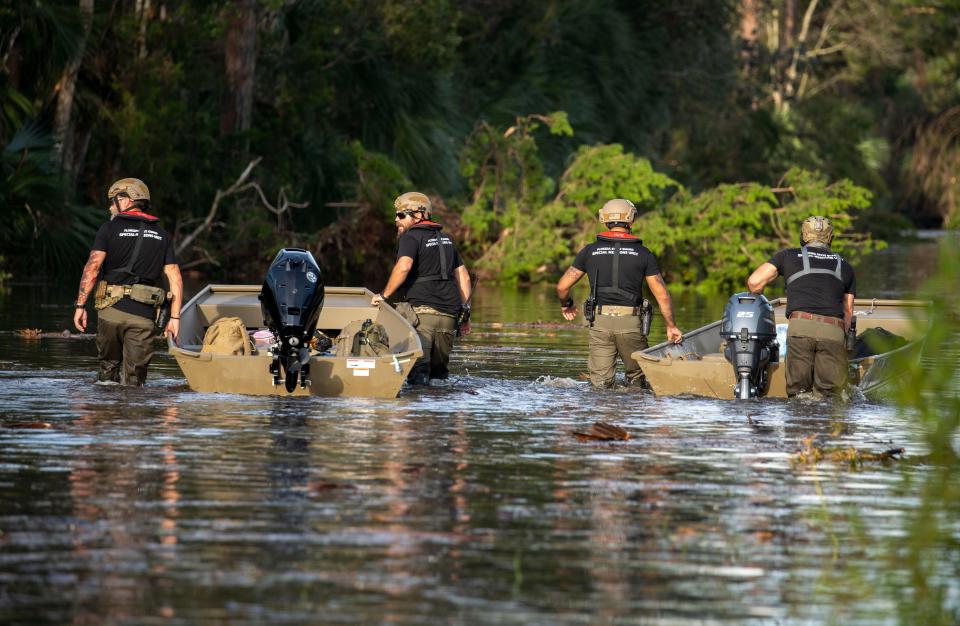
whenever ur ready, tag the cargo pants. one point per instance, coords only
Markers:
(610, 336)
(124, 346)
(436, 331)
(816, 357)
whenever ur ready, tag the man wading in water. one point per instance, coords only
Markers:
(821, 287)
(618, 264)
(436, 282)
(134, 252)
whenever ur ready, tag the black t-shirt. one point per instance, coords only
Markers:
(821, 294)
(636, 263)
(420, 243)
(118, 238)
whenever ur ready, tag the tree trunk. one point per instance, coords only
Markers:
(66, 88)
(788, 10)
(785, 68)
(749, 43)
(143, 16)
(240, 56)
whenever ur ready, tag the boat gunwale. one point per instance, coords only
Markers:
(659, 356)
(203, 294)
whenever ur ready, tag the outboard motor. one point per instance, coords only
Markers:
(290, 300)
(750, 330)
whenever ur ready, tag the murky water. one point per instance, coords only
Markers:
(469, 503)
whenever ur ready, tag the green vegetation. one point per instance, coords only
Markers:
(702, 112)
(938, 381)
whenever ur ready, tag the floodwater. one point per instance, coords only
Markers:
(467, 503)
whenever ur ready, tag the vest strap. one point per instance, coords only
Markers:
(444, 266)
(615, 290)
(128, 268)
(807, 270)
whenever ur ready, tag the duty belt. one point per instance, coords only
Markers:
(825, 319)
(145, 294)
(429, 310)
(618, 311)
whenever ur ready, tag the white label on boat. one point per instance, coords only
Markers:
(361, 372)
(364, 364)
(744, 313)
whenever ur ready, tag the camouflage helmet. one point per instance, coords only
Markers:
(618, 210)
(816, 228)
(135, 189)
(414, 201)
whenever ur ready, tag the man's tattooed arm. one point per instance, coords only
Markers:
(91, 270)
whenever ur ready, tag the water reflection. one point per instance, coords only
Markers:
(466, 503)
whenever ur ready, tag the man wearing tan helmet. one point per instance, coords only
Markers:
(821, 287)
(435, 281)
(130, 255)
(617, 264)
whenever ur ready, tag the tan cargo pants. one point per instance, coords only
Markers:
(124, 346)
(816, 357)
(611, 336)
(437, 332)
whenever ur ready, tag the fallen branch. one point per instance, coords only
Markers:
(601, 431)
(238, 186)
(811, 454)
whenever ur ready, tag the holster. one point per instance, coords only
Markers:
(646, 317)
(590, 310)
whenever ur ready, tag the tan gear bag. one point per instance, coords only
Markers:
(363, 338)
(227, 335)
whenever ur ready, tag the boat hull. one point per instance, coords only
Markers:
(330, 375)
(697, 366)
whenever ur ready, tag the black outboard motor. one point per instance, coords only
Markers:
(750, 329)
(291, 299)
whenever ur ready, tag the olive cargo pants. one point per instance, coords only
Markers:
(436, 336)
(124, 346)
(611, 336)
(816, 357)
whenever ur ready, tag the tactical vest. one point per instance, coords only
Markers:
(807, 270)
(110, 289)
(614, 289)
(445, 263)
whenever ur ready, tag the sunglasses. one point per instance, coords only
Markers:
(403, 214)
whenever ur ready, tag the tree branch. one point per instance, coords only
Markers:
(237, 187)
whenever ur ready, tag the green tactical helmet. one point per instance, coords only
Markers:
(414, 201)
(816, 228)
(618, 210)
(135, 188)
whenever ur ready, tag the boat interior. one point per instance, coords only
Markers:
(906, 318)
(341, 306)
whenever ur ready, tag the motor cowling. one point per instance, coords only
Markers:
(291, 299)
(749, 328)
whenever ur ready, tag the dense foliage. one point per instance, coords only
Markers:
(519, 116)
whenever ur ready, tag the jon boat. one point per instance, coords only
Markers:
(698, 367)
(329, 375)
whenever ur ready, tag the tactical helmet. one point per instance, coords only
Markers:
(414, 201)
(135, 189)
(618, 210)
(816, 228)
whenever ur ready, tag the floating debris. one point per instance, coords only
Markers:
(37, 333)
(318, 487)
(31, 425)
(812, 453)
(602, 431)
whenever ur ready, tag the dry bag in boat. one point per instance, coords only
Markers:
(228, 336)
